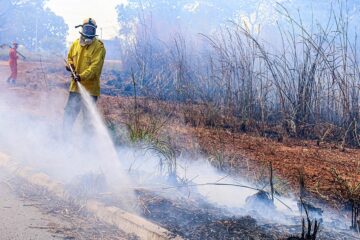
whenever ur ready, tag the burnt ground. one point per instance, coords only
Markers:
(194, 219)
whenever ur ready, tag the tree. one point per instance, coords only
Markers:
(5, 10)
(34, 26)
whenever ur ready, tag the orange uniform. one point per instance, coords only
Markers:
(13, 63)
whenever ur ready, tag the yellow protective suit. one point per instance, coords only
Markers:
(88, 61)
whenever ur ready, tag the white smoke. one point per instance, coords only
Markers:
(31, 132)
(198, 179)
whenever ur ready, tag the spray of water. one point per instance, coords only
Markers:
(110, 163)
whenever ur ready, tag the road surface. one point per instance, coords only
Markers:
(22, 220)
(29, 214)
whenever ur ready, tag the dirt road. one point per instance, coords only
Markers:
(20, 219)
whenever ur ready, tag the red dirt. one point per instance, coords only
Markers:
(288, 158)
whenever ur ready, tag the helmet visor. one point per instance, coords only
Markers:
(89, 31)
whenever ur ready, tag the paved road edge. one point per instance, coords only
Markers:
(127, 222)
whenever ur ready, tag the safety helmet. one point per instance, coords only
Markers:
(88, 28)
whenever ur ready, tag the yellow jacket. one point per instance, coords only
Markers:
(88, 62)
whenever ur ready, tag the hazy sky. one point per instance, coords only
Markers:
(75, 11)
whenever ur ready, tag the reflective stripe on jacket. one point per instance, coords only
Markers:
(88, 61)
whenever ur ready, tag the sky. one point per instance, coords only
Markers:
(75, 11)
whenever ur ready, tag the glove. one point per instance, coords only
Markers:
(68, 68)
(76, 77)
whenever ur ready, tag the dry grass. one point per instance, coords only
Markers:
(250, 154)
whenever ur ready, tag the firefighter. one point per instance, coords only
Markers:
(86, 56)
(13, 57)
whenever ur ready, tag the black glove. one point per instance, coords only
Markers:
(76, 77)
(68, 68)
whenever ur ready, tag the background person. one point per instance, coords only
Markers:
(13, 57)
